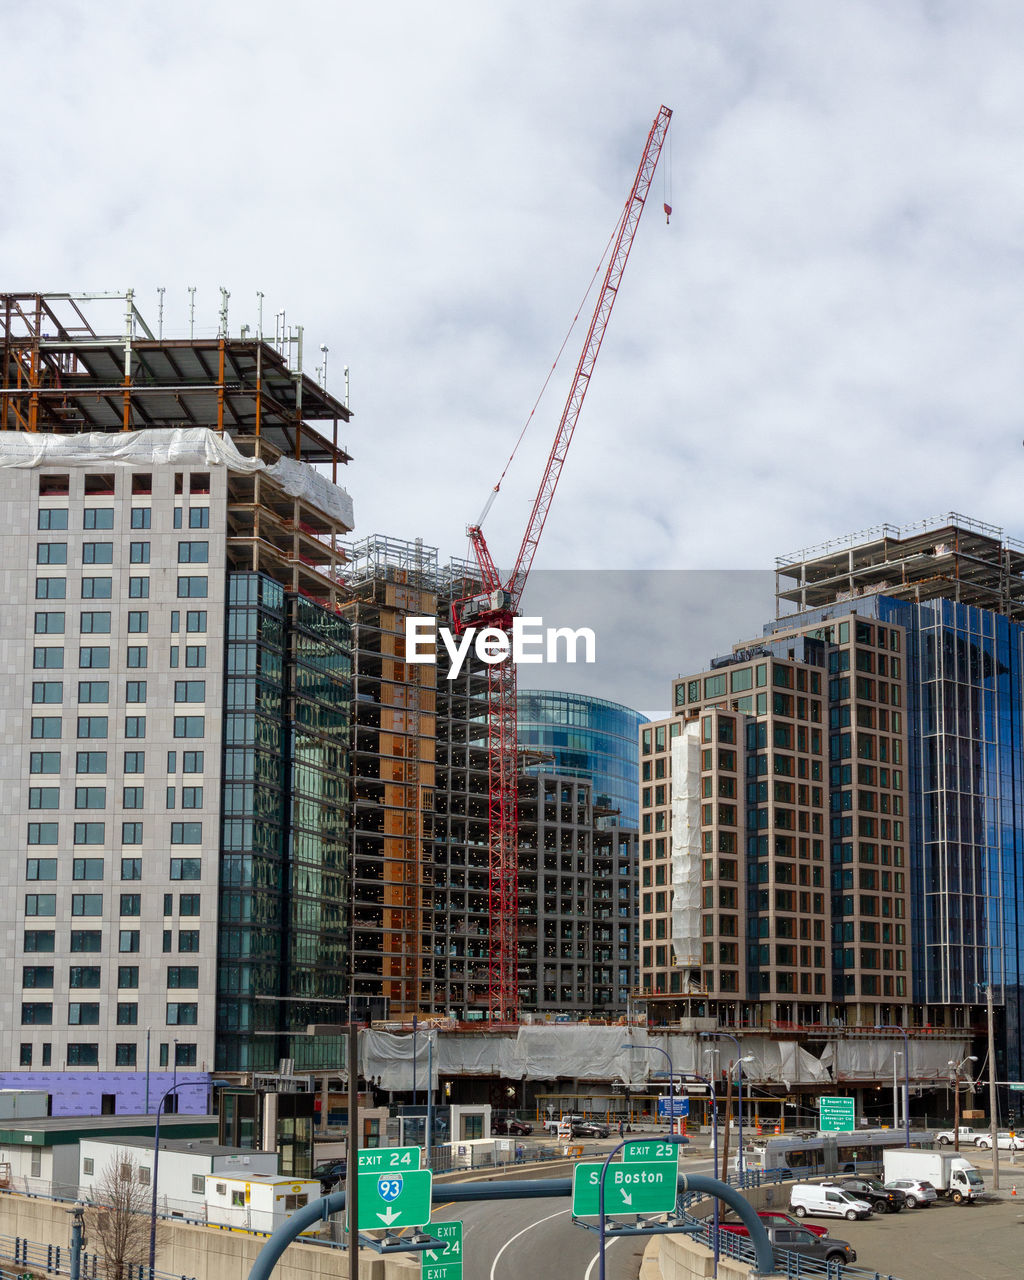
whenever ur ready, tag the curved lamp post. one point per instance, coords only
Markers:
(655, 1048)
(156, 1168)
(718, 1035)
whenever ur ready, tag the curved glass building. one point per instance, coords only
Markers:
(586, 738)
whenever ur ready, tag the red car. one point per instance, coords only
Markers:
(773, 1220)
(510, 1125)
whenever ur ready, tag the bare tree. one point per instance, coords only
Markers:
(118, 1222)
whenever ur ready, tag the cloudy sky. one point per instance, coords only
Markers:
(826, 337)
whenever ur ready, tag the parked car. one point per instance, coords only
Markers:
(915, 1192)
(801, 1240)
(510, 1124)
(1007, 1141)
(826, 1201)
(774, 1220)
(330, 1173)
(880, 1197)
(967, 1135)
(589, 1129)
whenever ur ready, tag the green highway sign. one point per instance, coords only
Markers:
(628, 1188)
(836, 1114)
(647, 1149)
(1018, 1086)
(394, 1198)
(438, 1264)
(389, 1158)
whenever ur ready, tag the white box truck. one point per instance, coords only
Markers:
(951, 1175)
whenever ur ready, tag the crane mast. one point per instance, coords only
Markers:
(499, 604)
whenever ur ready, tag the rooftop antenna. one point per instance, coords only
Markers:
(191, 311)
(224, 295)
(160, 312)
(323, 352)
(259, 315)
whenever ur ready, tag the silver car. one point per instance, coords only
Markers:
(916, 1192)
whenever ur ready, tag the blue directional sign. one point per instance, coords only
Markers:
(673, 1107)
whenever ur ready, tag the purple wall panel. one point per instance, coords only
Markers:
(79, 1093)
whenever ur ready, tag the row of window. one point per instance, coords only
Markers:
(98, 691)
(91, 904)
(39, 1013)
(51, 518)
(43, 727)
(46, 833)
(92, 588)
(96, 797)
(125, 1055)
(93, 869)
(89, 976)
(103, 552)
(96, 761)
(84, 941)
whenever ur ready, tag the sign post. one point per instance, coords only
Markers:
(836, 1114)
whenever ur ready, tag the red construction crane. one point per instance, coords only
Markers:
(499, 604)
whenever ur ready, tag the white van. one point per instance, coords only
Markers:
(823, 1201)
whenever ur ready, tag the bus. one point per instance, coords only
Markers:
(809, 1154)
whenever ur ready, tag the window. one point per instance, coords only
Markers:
(135, 726)
(131, 904)
(83, 940)
(182, 868)
(90, 797)
(51, 588)
(44, 797)
(175, 650)
(188, 939)
(128, 940)
(98, 518)
(52, 518)
(237, 1199)
(178, 975)
(131, 833)
(128, 977)
(52, 553)
(188, 904)
(138, 621)
(95, 656)
(182, 1015)
(189, 726)
(25, 1058)
(192, 587)
(54, 484)
(94, 691)
(41, 869)
(168, 904)
(190, 691)
(193, 552)
(44, 762)
(142, 518)
(172, 761)
(97, 588)
(131, 868)
(193, 762)
(38, 1015)
(89, 832)
(134, 762)
(127, 1014)
(83, 1055)
(49, 624)
(41, 975)
(97, 553)
(124, 1055)
(138, 655)
(42, 833)
(84, 975)
(191, 797)
(135, 691)
(87, 869)
(87, 904)
(132, 797)
(46, 726)
(186, 833)
(177, 514)
(138, 553)
(92, 726)
(195, 655)
(38, 940)
(138, 588)
(49, 658)
(195, 620)
(199, 518)
(198, 1184)
(199, 482)
(175, 621)
(83, 1014)
(40, 904)
(47, 691)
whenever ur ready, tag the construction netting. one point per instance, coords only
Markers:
(686, 846)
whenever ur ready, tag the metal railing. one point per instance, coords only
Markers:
(18, 1253)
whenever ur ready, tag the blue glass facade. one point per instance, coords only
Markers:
(587, 738)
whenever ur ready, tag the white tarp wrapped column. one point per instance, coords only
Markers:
(686, 850)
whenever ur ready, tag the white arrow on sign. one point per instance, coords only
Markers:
(627, 1198)
(388, 1217)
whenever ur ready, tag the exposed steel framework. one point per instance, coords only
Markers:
(501, 604)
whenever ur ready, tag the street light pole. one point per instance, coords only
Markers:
(156, 1170)
(717, 1035)
(906, 1079)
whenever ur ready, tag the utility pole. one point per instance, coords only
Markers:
(728, 1123)
(351, 1171)
(993, 1113)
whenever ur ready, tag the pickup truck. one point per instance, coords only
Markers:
(968, 1136)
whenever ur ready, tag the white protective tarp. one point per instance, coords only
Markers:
(174, 446)
(387, 1059)
(854, 1060)
(686, 849)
